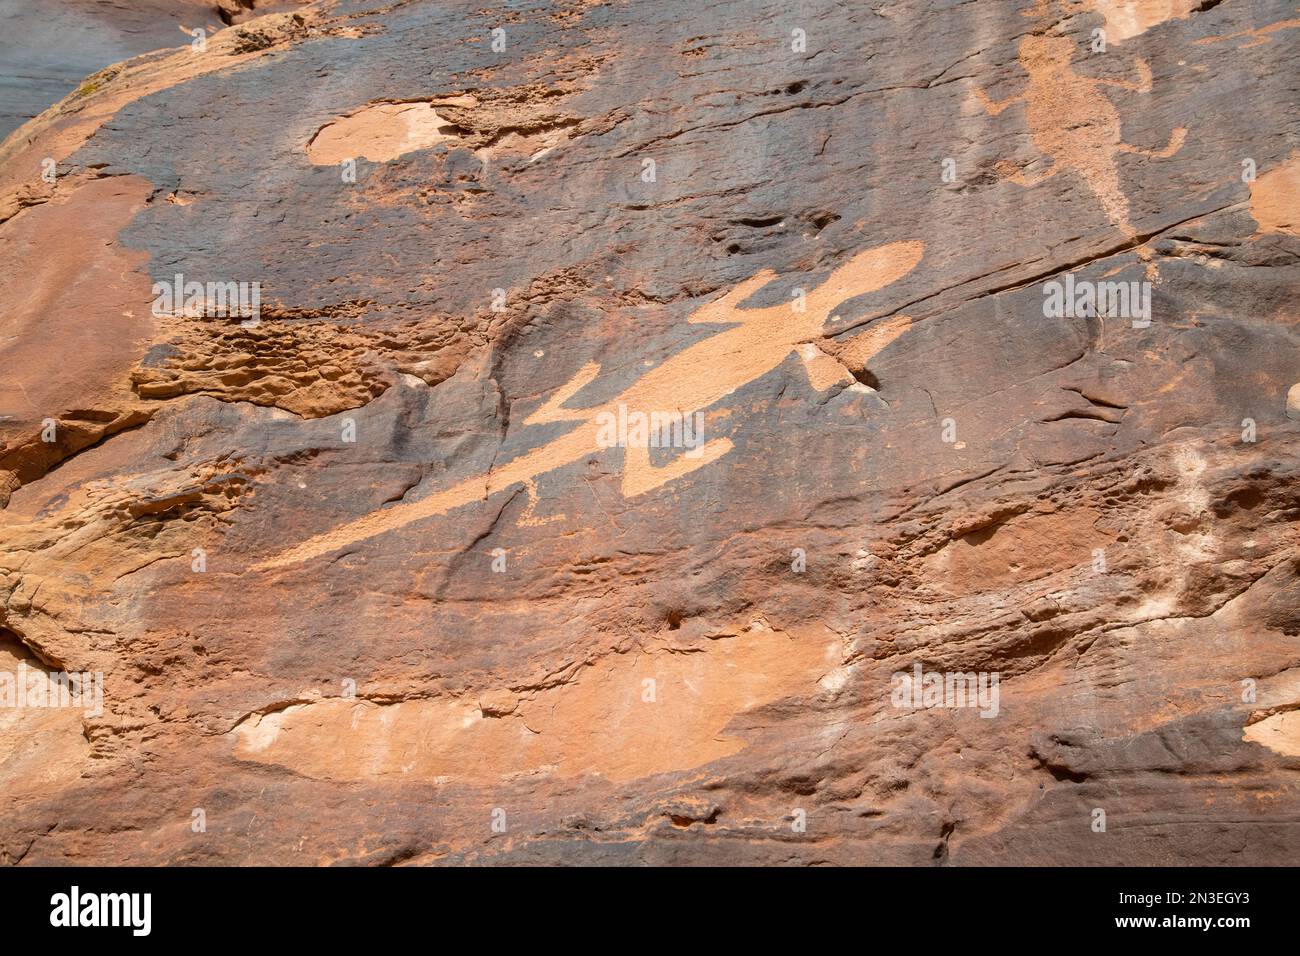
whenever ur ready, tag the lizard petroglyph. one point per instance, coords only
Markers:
(696, 378)
(1074, 124)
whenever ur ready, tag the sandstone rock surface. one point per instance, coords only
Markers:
(364, 581)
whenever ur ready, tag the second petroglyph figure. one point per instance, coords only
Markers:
(1076, 126)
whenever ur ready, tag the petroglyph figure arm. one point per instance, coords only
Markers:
(994, 108)
(1174, 145)
(726, 309)
(551, 411)
(865, 272)
(1143, 85)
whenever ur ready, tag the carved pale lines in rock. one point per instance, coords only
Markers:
(1076, 127)
(757, 341)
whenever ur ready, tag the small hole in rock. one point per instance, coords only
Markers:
(820, 220)
(866, 377)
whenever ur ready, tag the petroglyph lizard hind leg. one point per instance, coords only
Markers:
(639, 476)
(550, 410)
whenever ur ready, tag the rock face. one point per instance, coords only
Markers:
(624, 433)
(49, 49)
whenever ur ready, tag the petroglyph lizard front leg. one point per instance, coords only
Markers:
(994, 108)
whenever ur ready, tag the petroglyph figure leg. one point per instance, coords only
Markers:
(1176, 139)
(865, 272)
(550, 411)
(639, 476)
(528, 516)
(1103, 180)
(830, 362)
